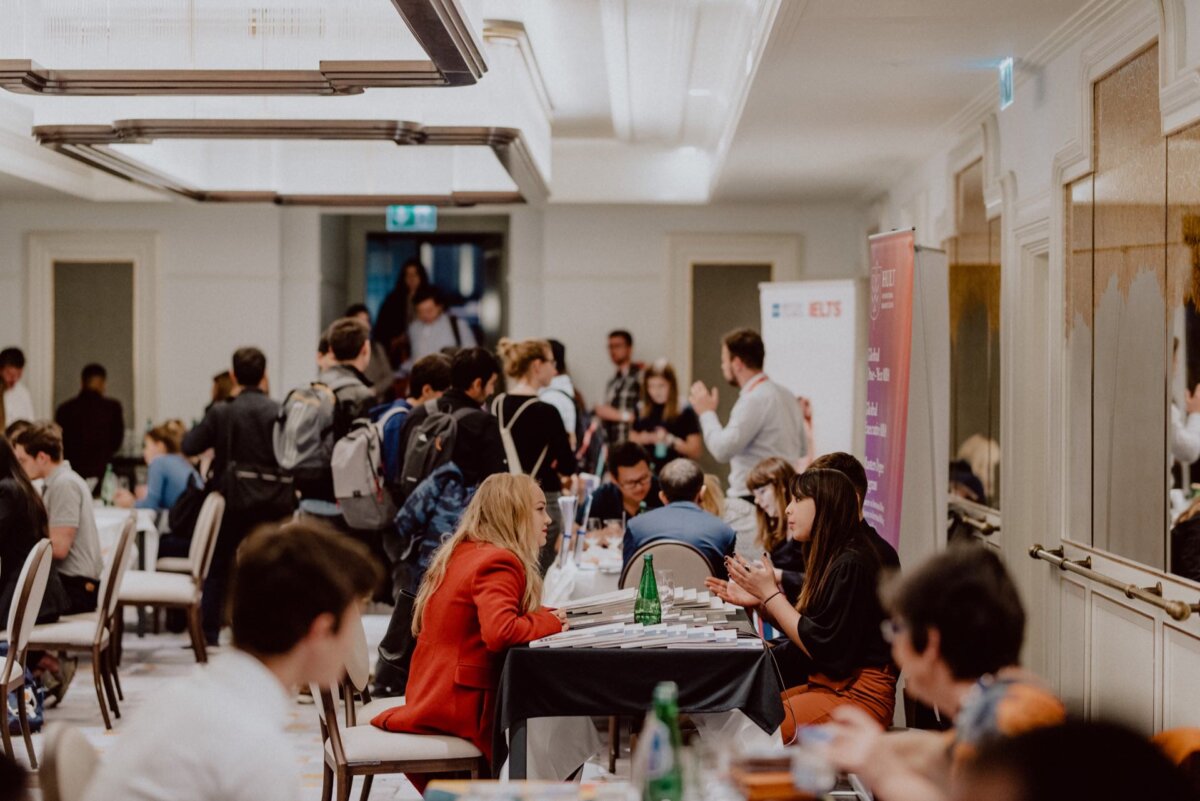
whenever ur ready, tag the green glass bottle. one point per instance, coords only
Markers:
(664, 766)
(647, 609)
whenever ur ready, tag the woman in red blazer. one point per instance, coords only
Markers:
(480, 596)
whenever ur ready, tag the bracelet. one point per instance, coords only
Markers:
(771, 598)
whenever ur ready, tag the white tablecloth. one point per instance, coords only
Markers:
(600, 573)
(110, 520)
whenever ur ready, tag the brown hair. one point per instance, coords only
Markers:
(778, 474)
(747, 345)
(42, 437)
(834, 528)
(168, 434)
(519, 356)
(347, 337)
(287, 575)
(661, 369)
(848, 466)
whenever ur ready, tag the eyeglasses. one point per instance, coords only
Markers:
(891, 629)
(635, 482)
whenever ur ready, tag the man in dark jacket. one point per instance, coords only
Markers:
(93, 425)
(238, 431)
(478, 450)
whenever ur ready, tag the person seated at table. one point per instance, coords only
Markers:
(768, 483)
(633, 490)
(853, 469)
(168, 474)
(479, 597)
(956, 630)
(224, 733)
(682, 518)
(22, 526)
(837, 621)
(74, 538)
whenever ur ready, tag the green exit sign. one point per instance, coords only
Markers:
(412, 218)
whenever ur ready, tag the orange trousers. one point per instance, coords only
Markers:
(871, 689)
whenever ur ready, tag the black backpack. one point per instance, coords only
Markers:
(396, 650)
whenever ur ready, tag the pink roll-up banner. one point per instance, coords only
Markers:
(889, 359)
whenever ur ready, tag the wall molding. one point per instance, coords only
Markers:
(44, 249)
(782, 251)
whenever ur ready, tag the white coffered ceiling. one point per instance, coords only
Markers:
(620, 100)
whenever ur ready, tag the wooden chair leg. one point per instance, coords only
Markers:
(343, 784)
(106, 677)
(23, 717)
(366, 790)
(8, 746)
(116, 677)
(117, 636)
(100, 688)
(196, 627)
(326, 783)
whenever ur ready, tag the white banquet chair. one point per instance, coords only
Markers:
(683, 559)
(27, 600)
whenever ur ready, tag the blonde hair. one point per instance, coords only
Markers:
(519, 356)
(713, 499)
(777, 474)
(169, 434)
(661, 369)
(501, 514)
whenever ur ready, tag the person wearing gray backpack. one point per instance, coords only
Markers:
(313, 418)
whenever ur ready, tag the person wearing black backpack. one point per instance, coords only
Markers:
(239, 432)
(477, 450)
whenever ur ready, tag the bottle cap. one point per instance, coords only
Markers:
(666, 691)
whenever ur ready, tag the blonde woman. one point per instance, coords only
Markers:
(769, 483)
(535, 440)
(480, 596)
(664, 429)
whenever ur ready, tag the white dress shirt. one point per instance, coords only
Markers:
(1185, 436)
(427, 338)
(18, 404)
(765, 421)
(218, 735)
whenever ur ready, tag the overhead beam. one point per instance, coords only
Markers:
(90, 145)
(439, 26)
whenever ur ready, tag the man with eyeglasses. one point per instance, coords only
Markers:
(682, 519)
(633, 490)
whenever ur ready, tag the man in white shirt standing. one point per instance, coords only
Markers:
(17, 404)
(766, 421)
(219, 735)
(434, 329)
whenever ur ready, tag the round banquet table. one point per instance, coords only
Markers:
(110, 520)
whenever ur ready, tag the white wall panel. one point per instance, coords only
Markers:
(1123, 670)
(1073, 660)
(1181, 678)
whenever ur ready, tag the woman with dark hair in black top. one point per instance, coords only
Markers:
(837, 621)
(535, 441)
(23, 523)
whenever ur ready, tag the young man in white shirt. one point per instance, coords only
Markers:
(766, 421)
(220, 734)
(16, 404)
(434, 329)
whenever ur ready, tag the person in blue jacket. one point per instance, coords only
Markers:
(682, 483)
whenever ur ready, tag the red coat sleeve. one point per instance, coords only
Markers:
(499, 585)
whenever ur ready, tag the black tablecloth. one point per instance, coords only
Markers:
(545, 682)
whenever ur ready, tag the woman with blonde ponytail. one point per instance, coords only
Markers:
(535, 440)
(479, 597)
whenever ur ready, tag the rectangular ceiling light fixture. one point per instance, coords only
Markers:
(92, 145)
(439, 27)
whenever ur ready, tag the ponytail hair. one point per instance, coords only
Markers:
(519, 356)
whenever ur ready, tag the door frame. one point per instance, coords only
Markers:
(139, 248)
(780, 251)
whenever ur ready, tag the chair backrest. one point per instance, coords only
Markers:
(358, 661)
(26, 602)
(68, 763)
(208, 526)
(114, 572)
(683, 559)
(323, 698)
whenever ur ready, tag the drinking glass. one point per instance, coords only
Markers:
(614, 530)
(666, 588)
(595, 532)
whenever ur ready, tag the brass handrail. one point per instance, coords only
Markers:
(1179, 610)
